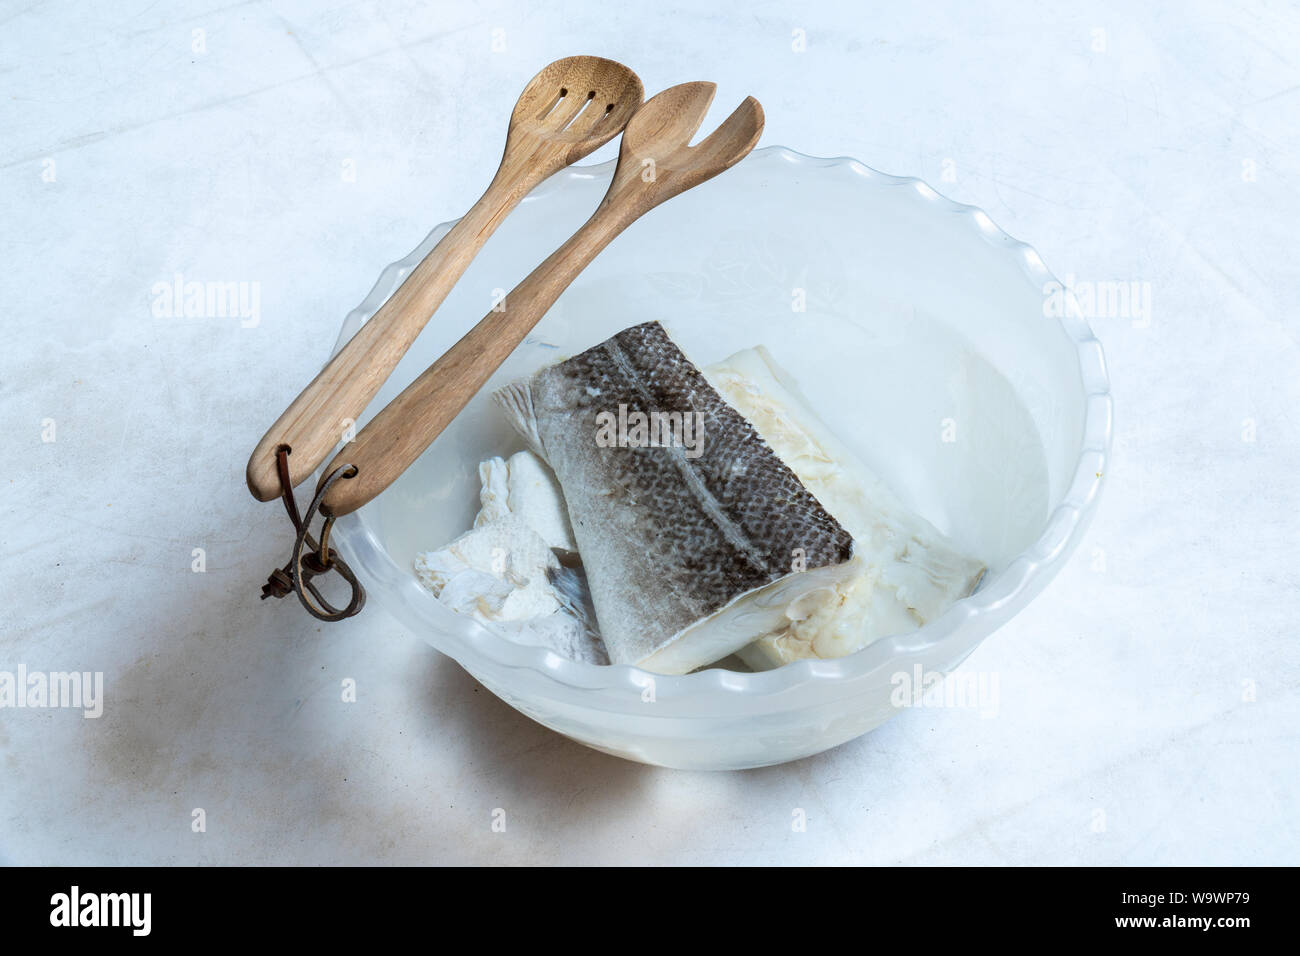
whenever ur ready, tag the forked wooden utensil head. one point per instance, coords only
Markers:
(656, 158)
(571, 108)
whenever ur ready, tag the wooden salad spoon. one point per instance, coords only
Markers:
(654, 164)
(567, 111)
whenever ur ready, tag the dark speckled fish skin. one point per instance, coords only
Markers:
(667, 539)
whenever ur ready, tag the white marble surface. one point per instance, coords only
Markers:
(1161, 150)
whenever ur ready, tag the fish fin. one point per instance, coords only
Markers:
(516, 400)
(570, 583)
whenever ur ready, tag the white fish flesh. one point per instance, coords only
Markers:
(522, 485)
(501, 574)
(909, 572)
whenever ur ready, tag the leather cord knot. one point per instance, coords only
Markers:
(311, 559)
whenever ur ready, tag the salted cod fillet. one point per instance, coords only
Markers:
(688, 558)
(909, 573)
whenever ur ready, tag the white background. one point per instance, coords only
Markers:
(1127, 142)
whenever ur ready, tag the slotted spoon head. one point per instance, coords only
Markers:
(573, 107)
(656, 157)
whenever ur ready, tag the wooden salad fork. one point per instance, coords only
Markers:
(567, 111)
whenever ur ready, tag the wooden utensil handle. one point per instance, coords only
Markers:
(400, 433)
(318, 418)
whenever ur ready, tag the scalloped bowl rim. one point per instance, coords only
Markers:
(1064, 525)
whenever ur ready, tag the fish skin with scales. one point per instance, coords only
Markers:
(688, 558)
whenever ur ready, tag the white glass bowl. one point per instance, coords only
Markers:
(921, 332)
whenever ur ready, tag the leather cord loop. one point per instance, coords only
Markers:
(311, 559)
